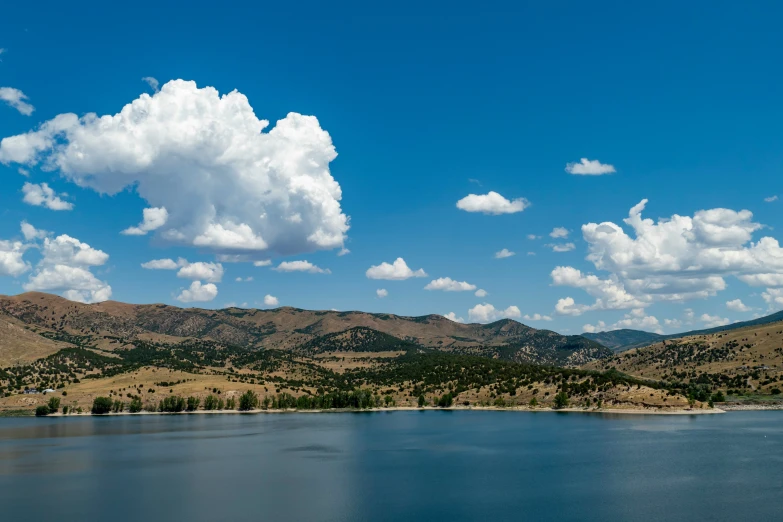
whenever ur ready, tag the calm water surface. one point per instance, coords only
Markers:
(411, 466)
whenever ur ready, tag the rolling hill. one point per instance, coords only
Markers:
(748, 359)
(625, 339)
(111, 325)
(296, 358)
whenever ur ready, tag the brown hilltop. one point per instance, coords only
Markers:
(111, 324)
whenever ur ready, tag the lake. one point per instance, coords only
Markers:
(393, 466)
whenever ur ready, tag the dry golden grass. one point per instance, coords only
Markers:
(343, 361)
(139, 383)
(765, 350)
(18, 345)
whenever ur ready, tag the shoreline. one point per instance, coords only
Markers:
(612, 411)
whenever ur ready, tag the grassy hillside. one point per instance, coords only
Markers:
(620, 340)
(143, 353)
(747, 361)
(112, 325)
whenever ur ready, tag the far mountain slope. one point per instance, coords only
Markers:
(621, 340)
(111, 324)
(625, 339)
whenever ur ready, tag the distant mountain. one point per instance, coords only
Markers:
(773, 318)
(625, 339)
(621, 340)
(111, 325)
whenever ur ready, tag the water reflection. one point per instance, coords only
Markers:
(414, 466)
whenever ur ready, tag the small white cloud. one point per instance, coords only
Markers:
(594, 328)
(533, 237)
(773, 297)
(16, 99)
(586, 167)
(397, 271)
(531, 253)
(24, 172)
(567, 306)
(737, 306)
(537, 317)
(502, 254)
(771, 199)
(449, 285)
(44, 196)
(343, 251)
(209, 272)
(270, 300)
(672, 323)
(11, 261)
(638, 320)
(491, 203)
(301, 266)
(65, 266)
(153, 219)
(198, 293)
(561, 247)
(711, 321)
(152, 82)
(233, 258)
(265, 262)
(481, 293)
(559, 233)
(381, 293)
(244, 280)
(451, 316)
(485, 313)
(30, 232)
(162, 264)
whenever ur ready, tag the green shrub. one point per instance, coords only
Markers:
(42, 411)
(231, 404)
(54, 404)
(248, 401)
(775, 391)
(193, 403)
(500, 402)
(422, 401)
(135, 405)
(172, 404)
(210, 403)
(561, 400)
(101, 405)
(533, 402)
(446, 400)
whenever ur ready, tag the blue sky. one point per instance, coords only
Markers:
(424, 104)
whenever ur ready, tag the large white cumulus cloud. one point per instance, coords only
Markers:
(226, 184)
(673, 259)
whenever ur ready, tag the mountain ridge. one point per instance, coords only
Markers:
(112, 324)
(613, 339)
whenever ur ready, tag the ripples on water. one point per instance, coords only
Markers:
(413, 466)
